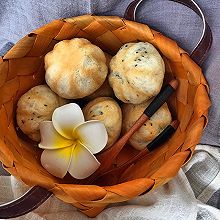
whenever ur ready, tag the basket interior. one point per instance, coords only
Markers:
(23, 68)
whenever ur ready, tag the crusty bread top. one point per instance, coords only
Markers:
(75, 68)
(137, 72)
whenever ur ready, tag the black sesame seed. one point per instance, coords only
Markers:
(135, 65)
(38, 116)
(136, 51)
(45, 105)
(139, 59)
(93, 116)
(101, 113)
(122, 60)
(32, 119)
(29, 97)
(151, 124)
(142, 55)
(22, 121)
(145, 124)
(126, 45)
(145, 51)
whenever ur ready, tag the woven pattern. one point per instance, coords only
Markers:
(23, 67)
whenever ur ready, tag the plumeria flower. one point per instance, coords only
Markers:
(69, 143)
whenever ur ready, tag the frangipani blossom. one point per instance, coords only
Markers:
(69, 143)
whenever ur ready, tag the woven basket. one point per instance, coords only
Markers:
(23, 68)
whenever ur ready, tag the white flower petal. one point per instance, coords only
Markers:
(83, 163)
(50, 138)
(93, 135)
(57, 161)
(66, 118)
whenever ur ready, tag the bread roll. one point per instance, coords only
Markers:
(35, 106)
(136, 72)
(157, 123)
(75, 68)
(105, 90)
(106, 110)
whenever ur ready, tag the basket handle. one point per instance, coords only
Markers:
(31, 200)
(201, 50)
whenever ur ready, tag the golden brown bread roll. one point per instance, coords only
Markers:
(137, 72)
(75, 68)
(35, 106)
(157, 123)
(107, 111)
(105, 90)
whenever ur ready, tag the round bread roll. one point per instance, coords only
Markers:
(105, 90)
(75, 68)
(35, 106)
(136, 72)
(157, 123)
(106, 110)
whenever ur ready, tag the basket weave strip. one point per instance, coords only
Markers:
(23, 67)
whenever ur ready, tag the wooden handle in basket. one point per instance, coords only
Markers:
(107, 157)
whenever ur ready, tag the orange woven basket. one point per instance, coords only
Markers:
(22, 68)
